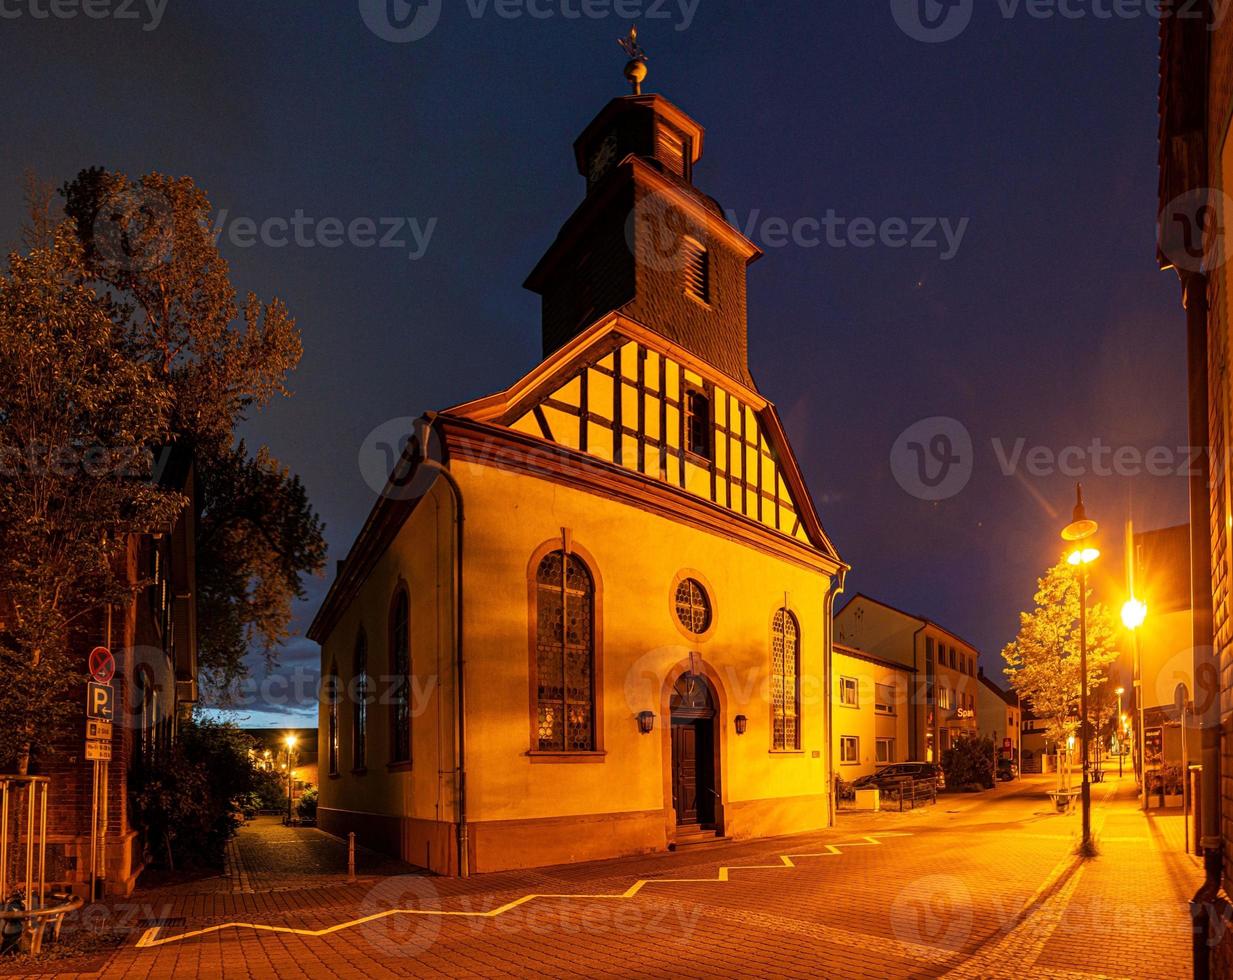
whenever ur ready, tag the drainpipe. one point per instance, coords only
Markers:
(460, 741)
(913, 735)
(828, 627)
(1206, 668)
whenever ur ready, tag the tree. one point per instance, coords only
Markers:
(1043, 661)
(77, 417)
(148, 244)
(969, 763)
(186, 799)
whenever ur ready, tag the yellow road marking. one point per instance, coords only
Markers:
(150, 937)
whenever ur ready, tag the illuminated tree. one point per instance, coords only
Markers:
(1043, 661)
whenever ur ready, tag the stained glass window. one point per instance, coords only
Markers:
(400, 664)
(693, 608)
(359, 712)
(785, 681)
(565, 654)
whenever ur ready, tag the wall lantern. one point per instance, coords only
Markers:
(646, 721)
(741, 723)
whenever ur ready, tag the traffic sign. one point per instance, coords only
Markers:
(99, 701)
(98, 729)
(102, 665)
(1007, 743)
(98, 751)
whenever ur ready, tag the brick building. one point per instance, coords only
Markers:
(1196, 179)
(153, 641)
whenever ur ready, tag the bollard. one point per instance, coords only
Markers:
(351, 856)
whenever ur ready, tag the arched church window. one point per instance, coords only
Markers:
(785, 682)
(359, 703)
(564, 654)
(400, 667)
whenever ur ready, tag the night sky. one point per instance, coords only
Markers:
(1050, 322)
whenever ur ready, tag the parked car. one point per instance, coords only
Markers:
(1007, 770)
(900, 770)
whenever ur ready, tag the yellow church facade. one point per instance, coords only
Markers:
(591, 615)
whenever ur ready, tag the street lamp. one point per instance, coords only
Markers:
(289, 741)
(1119, 692)
(1079, 535)
(1134, 612)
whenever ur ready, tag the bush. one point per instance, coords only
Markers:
(306, 805)
(969, 763)
(186, 799)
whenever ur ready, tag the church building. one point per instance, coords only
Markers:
(591, 615)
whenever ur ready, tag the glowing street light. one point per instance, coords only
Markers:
(1133, 613)
(1080, 533)
(289, 741)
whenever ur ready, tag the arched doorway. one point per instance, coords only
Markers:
(695, 753)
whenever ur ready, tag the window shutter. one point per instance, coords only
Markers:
(670, 149)
(697, 269)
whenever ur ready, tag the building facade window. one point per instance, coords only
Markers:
(359, 703)
(400, 667)
(564, 655)
(670, 149)
(693, 607)
(698, 423)
(885, 751)
(849, 692)
(885, 699)
(849, 750)
(785, 682)
(332, 699)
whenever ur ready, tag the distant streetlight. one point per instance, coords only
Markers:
(289, 741)
(1079, 534)
(1119, 692)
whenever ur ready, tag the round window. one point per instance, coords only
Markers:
(693, 608)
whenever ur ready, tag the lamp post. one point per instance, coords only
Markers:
(1134, 612)
(1120, 754)
(1079, 534)
(289, 741)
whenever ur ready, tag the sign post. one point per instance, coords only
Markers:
(100, 709)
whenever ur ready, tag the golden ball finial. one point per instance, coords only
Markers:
(635, 70)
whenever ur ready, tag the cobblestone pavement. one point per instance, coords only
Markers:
(977, 886)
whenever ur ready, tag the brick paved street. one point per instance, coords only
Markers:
(978, 886)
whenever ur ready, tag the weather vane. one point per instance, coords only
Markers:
(635, 71)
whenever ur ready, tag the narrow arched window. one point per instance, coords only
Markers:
(565, 655)
(332, 698)
(785, 682)
(400, 666)
(359, 704)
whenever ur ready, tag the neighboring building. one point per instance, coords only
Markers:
(942, 703)
(606, 655)
(153, 639)
(1162, 582)
(270, 752)
(870, 702)
(1196, 181)
(998, 716)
